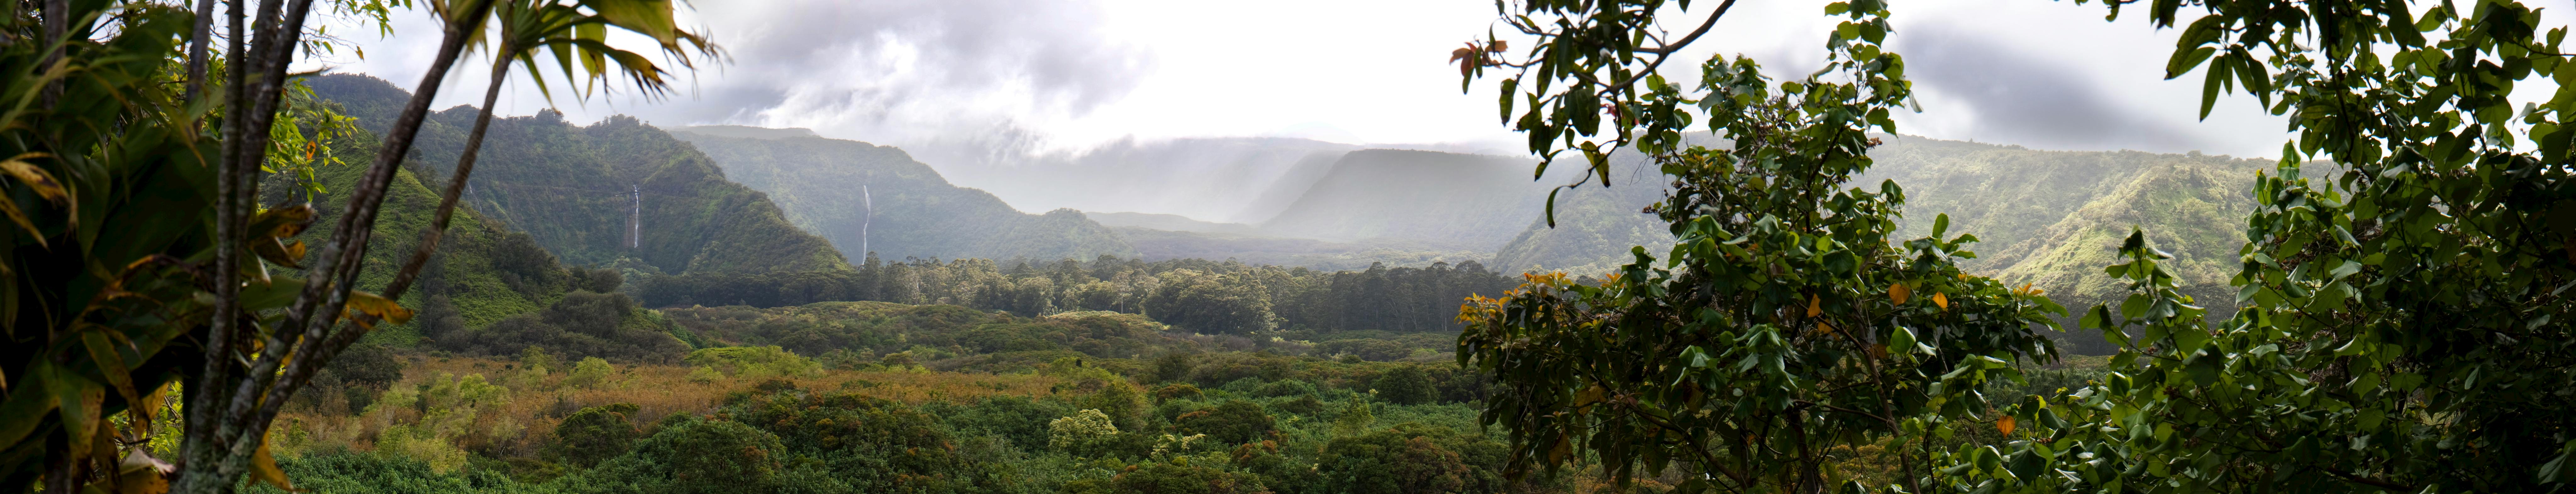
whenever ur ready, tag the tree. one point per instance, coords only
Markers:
(155, 217)
(1406, 385)
(595, 434)
(2402, 326)
(1786, 321)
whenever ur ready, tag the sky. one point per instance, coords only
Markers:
(1067, 75)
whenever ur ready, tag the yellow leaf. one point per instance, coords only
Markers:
(263, 468)
(289, 254)
(1898, 292)
(35, 178)
(1941, 299)
(281, 222)
(1815, 305)
(377, 306)
(2004, 424)
(1822, 328)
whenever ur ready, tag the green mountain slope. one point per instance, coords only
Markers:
(1457, 200)
(483, 274)
(565, 186)
(1595, 225)
(865, 197)
(2049, 218)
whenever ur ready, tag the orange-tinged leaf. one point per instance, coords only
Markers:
(2004, 424)
(289, 254)
(1898, 292)
(263, 468)
(1822, 328)
(376, 306)
(1878, 351)
(35, 178)
(1941, 299)
(281, 222)
(1815, 305)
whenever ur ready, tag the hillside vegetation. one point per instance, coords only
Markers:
(565, 186)
(867, 198)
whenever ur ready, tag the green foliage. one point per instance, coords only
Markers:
(1786, 315)
(691, 456)
(1408, 458)
(1084, 431)
(753, 363)
(561, 186)
(1232, 422)
(589, 373)
(1170, 478)
(368, 365)
(580, 325)
(1405, 385)
(595, 434)
(1196, 295)
(1211, 303)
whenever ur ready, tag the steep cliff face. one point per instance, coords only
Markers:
(613, 193)
(868, 198)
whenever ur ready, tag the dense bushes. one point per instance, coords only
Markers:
(1197, 295)
(581, 324)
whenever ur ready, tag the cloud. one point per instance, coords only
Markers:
(898, 69)
(2015, 97)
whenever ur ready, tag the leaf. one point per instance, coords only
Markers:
(263, 468)
(10, 209)
(22, 411)
(290, 254)
(1822, 328)
(1815, 305)
(375, 306)
(281, 222)
(77, 401)
(1898, 292)
(35, 178)
(1940, 225)
(140, 473)
(1942, 300)
(2004, 424)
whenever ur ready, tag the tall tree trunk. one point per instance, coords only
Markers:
(456, 180)
(202, 445)
(198, 41)
(238, 416)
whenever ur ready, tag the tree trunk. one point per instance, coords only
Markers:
(455, 182)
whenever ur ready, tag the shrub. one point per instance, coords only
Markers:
(754, 362)
(691, 456)
(595, 434)
(1234, 422)
(1081, 432)
(589, 373)
(1406, 385)
(367, 364)
(1182, 391)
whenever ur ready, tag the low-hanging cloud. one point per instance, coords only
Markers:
(907, 70)
(2018, 98)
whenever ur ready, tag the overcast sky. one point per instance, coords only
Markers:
(1069, 74)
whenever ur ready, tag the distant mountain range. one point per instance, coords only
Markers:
(867, 198)
(568, 187)
(724, 199)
